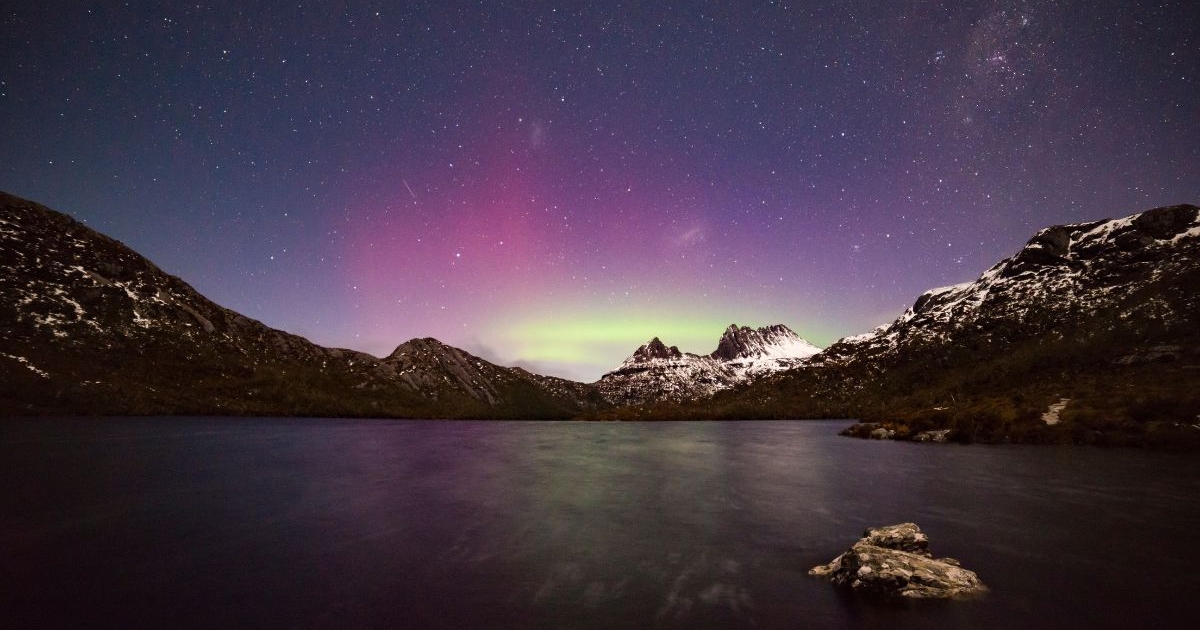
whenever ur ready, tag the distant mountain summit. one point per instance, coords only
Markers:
(654, 350)
(429, 366)
(754, 352)
(658, 373)
(772, 342)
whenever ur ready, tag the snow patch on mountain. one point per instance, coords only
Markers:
(25, 362)
(1193, 232)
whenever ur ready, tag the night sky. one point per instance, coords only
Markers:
(551, 184)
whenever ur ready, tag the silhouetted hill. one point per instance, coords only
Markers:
(88, 326)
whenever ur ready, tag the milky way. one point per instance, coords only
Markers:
(551, 184)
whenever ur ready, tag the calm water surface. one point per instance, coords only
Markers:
(302, 523)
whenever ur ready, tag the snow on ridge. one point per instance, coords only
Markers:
(790, 348)
(864, 337)
(945, 299)
(1105, 228)
(1021, 284)
(1098, 231)
(1191, 232)
(947, 289)
(1102, 224)
(26, 363)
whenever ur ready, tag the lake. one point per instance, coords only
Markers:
(319, 523)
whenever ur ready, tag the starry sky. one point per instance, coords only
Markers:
(550, 184)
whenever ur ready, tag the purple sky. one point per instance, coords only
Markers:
(551, 184)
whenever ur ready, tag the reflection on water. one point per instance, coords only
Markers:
(332, 523)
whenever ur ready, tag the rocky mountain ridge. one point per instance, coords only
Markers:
(657, 373)
(1063, 274)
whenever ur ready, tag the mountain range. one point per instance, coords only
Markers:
(657, 373)
(1098, 318)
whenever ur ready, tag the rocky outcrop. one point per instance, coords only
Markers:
(740, 343)
(868, 430)
(655, 349)
(941, 436)
(895, 561)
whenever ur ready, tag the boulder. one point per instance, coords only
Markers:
(895, 561)
(940, 436)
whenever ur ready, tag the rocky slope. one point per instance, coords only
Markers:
(1098, 319)
(656, 373)
(1129, 272)
(87, 325)
(751, 352)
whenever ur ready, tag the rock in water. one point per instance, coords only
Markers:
(895, 561)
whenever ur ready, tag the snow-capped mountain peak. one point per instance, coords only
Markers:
(770, 342)
(657, 372)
